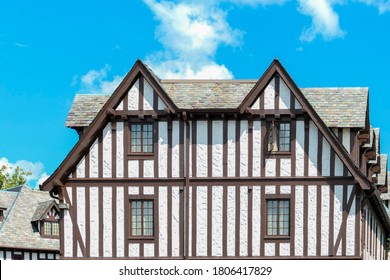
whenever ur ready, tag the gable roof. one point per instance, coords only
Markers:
(16, 231)
(102, 118)
(42, 209)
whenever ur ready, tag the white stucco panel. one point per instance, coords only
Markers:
(176, 149)
(148, 168)
(338, 214)
(217, 149)
(270, 167)
(313, 149)
(243, 221)
(94, 221)
(162, 149)
(243, 148)
(231, 223)
(285, 167)
(81, 168)
(231, 146)
(256, 148)
(163, 219)
(350, 245)
(201, 149)
(134, 249)
(175, 221)
(81, 211)
(325, 200)
(325, 158)
(284, 96)
(148, 96)
(68, 229)
(299, 221)
(133, 96)
(107, 221)
(93, 160)
(269, 95)
(269, 249)
(120, 223)
(119, 150)
(149, 250)
(284, 249)
(256, 104)
(201, 221)
(256, 220)
(133, 168)
(217, 220)
(312, 220)
(299, 148)
(107, 151)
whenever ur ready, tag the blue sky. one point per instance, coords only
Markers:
(51, 50)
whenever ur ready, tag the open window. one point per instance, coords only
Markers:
(279, 136)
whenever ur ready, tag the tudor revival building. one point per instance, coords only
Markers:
(181, 169)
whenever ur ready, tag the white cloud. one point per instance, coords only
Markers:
(38, 175)
(381, 5)
(254, 3)
(190, 33)
(325, 21)
(96, 82)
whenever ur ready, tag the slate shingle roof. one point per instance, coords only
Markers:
(338, 107)
(84, 109)
(207, 94)
(6, 201)
(16, 230)
(383, 170)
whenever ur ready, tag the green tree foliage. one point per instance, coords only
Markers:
(10, 177)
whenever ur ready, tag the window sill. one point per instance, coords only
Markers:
(277, 237)
(141, 238)
(140, 155)
(277, 154)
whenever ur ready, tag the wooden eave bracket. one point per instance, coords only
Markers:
(370, 154)
(363, 138)
(375, 168)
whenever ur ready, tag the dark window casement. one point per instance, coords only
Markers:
(141, 138)
(1, 215)
(51, 229)
(278, 217)
(279, 138)
(142, 218)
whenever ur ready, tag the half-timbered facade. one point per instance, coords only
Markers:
(184, 169)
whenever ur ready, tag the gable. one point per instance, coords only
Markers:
(139, 83)
(142, 97)
(276, 95)
(275, 92)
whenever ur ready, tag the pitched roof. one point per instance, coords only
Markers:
(42, 208)
(207, 94)
(382, 176)
(84, 109)
(337, 107)
(16, 230)
(6, 201)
